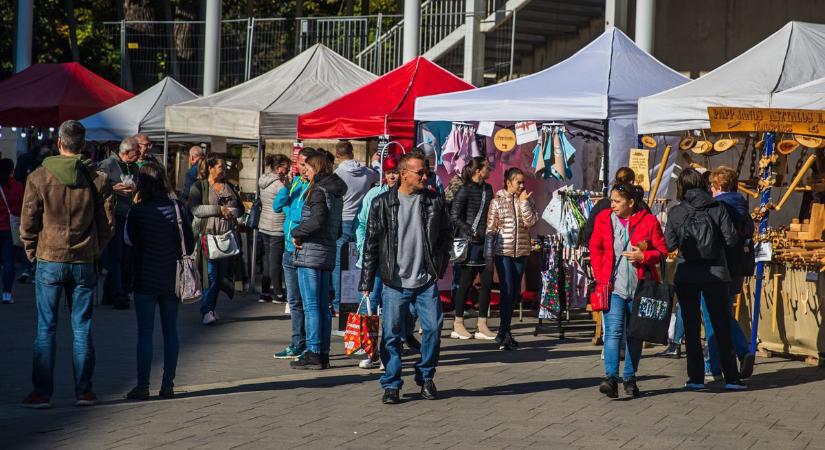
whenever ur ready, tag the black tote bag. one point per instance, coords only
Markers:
(652, 307)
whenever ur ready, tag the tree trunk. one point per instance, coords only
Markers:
(72, 23)
(365, 7)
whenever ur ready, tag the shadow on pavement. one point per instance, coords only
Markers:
(522, 388)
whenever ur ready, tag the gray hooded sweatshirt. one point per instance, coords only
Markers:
(359, 179)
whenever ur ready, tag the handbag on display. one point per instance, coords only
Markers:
(650, 314)
(14, 222)
(460, 250)
(188, 282)
(220, 246)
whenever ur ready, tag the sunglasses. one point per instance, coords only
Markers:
(419, 173)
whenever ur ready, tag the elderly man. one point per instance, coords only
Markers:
(196, 153)
(145, 150)
(122, 172)
(66, 222)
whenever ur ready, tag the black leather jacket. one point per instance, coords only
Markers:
(381, 242)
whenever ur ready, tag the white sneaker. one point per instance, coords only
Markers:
(359, 352)
(217, 317)
(209, 318)
(7, 298)
(368, 364)
(286, 309)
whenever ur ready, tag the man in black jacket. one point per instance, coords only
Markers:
(408, 243)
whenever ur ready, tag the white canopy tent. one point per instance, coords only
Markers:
(806, 96)
(791, 56)
(268, 106)
(603, 81)
(143, 113)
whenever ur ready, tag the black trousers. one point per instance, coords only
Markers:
(716, 300)
(273, 264)
(467, 274)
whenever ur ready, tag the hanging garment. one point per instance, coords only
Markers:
(568, 153)
(451, 149)
(548, 153)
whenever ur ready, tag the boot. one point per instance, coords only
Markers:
(483, 332)
(459, 332)
(673, 350)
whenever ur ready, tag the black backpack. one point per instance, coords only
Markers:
(700, 240)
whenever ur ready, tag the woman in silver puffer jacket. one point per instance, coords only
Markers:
(507, 245)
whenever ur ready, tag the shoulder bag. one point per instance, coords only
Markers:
(188, 281)
(14, 222)
(461, 246)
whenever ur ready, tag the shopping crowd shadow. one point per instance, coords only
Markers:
(522, 388)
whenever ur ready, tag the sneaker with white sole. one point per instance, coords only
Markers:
(7, 298)
(369, 364)
(87, 399)
(694, 386)
(209, 318)
(735, 386)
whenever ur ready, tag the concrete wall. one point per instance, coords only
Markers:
(692, 37)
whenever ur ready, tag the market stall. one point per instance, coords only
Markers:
(724, 119)
(384, 107)
(143, 113)
(46, 95)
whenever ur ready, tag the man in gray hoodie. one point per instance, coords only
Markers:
(359, 179)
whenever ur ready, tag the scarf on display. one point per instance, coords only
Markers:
(553, 154)
(460, 147)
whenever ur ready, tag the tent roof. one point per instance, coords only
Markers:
(143, 113)
(602, 80)
(383, 106)
(785, 59)
(810, 95)
(45, 95)
(269, 105)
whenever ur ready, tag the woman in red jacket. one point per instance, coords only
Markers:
(627, 243)
(11, 201)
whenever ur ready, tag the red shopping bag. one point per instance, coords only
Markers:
(362, 332)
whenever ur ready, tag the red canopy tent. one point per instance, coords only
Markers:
(45, 95)
(384, 106)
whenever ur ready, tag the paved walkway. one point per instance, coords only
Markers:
(234, 394)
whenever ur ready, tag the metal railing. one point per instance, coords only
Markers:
(439, 18)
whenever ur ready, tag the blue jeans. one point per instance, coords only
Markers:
(296, 306)
(510, 271)
(679, 329)
(347, 233)
(314, 284)
(740, 342)
(396, 304)
(145, 311)
(615, 321)
(7, 259)
(216, 270)
(78, 281)
(114, 257)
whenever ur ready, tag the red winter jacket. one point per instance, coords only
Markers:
(643, 226)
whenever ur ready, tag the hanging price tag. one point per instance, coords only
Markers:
(764, 252)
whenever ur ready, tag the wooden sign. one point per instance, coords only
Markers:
(640, 163)
(799, 121)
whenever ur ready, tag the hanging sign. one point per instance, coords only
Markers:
(799, 121)
(486, 128)
(640, 163)
(526, 132)
(763, 251)
(505, 140)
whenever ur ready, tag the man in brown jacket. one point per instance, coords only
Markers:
(67, 220)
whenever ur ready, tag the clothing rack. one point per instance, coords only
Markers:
(556, 245)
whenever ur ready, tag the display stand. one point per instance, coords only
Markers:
(557, 248)
(765, 198)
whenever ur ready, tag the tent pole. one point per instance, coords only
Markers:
(606, 156)
(251, 289)
(165, 148)
(765, 197)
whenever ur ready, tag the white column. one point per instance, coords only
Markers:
(645, 24)
(23, 51)
(412, 23)
(212, 47)
(474, 42)
(615, 14)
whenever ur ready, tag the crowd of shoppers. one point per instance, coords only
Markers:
(125, 214)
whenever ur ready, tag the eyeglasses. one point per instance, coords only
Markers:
(420, 173)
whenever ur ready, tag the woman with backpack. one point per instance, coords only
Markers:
(216, 207)
(314, 258)
(626, 246)
(157, 231)
(701, 229)
(469, 215)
